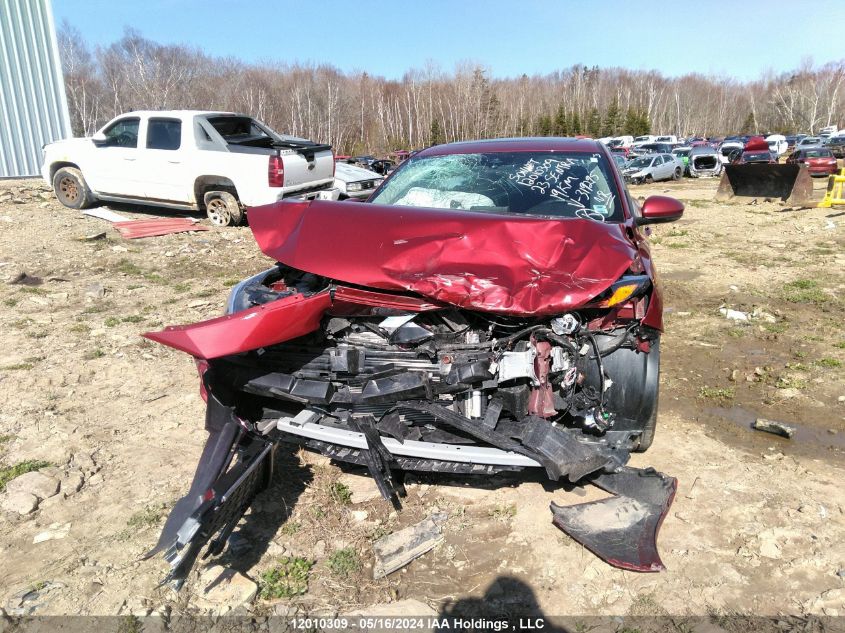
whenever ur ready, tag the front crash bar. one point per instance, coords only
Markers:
(467, 454)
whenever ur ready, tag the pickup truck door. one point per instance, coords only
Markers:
(112, 168)
(162, 162)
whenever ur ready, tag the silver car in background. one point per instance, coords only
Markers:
(653, 167)
(704, 161)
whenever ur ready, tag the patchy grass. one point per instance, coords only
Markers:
(18, 367)
(6, 438)
(677, 233)
(148, 517)
(287, 579)
(776, 328)
(340, 493)
(132, 318)
(290, 528)
(676, 245)
(21, 324)
(839, 345)
(80, 328)
(11, 302)
(202, 294)
(503, 513)
(790, 382)
(345, 562)
(97, 308)
(21, 468)
(717, 393)
(182, 287)
(128, 268)
(804, 291)
(38, 334)
(828, 363)
(93, 353)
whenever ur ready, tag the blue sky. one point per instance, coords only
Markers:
(738, 38)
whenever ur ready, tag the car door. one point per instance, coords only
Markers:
(112, 169)
(657, 167)
(161, 166)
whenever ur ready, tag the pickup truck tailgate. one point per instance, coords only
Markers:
(307, 166)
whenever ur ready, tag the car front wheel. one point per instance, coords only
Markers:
(71, 189)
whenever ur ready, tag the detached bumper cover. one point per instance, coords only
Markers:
(622, 530)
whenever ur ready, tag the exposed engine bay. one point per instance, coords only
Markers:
(450, 376)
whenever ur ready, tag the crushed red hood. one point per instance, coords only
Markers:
(477, 261)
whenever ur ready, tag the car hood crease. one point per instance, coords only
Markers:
(508, 264)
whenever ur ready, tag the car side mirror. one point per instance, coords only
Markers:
(659, 209)
(99, 138)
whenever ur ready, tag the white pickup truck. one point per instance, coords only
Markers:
(221, 162)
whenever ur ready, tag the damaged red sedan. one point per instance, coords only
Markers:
(493, 307)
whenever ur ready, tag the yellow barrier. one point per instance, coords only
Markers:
(835, 193)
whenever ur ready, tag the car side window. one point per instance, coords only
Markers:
(658, 160)
(164, 134)
(123, 133)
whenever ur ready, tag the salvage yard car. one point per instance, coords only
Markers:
(704, 160)
(355, 182)
(653, 167)
(820, 161)
(412, 335)
(218, 162)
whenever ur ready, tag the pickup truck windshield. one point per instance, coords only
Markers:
(551, 184)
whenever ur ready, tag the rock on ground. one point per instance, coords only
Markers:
(222, 590)
(35, 483)
(21, 502)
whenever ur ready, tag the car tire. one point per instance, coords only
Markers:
(635, 391)
(223, 208)
(648, 179)
(71, 189)
(678, 173)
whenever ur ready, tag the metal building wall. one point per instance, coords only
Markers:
(33, 105)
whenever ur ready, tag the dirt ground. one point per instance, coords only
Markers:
(756, 526)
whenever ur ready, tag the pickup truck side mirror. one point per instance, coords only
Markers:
(659, 209)
(99, 138)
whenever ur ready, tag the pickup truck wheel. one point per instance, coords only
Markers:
(223, 208)
(71, 189)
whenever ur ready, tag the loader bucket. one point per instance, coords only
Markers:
(789, 183)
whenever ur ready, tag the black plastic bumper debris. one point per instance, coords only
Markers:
(622, 530)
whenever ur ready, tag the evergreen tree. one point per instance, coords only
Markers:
(636, 123)
(575, 126)
(544, 125)
(594, 123)
(612, 119)
(561, 124)
(750, 124)
(436, 136)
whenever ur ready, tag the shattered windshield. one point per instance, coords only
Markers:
(556, 184)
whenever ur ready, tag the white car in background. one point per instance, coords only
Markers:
(355, 182)
(777, 144)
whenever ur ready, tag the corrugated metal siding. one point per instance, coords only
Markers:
(33, 106)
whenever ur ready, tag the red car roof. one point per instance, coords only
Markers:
(534, 144)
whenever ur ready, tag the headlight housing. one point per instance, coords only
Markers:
(353, 186)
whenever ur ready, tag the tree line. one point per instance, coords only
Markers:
(359, 113)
